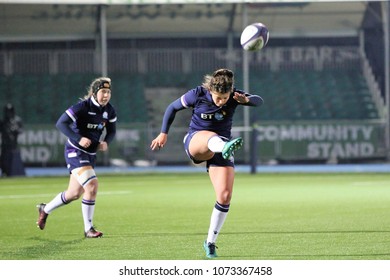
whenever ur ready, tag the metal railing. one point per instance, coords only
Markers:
(176, 60)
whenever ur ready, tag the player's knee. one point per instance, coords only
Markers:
(225, 197)
(91, 188)
(73, 195)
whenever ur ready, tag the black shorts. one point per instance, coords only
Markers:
(216, 160)
(76, 158)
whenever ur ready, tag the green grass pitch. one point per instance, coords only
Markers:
(166, 217)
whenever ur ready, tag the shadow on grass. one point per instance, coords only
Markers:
(155, 234)
(41, 251)
(44, 248)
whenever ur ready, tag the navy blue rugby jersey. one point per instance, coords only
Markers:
(206, 115)
(88, 119)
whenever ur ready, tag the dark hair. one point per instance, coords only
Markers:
(221, 81)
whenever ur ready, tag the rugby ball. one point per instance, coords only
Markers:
(254, 37)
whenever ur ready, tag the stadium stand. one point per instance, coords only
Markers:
(289, 95)
(314, 95)
(128, 98)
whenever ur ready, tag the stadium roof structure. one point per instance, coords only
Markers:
(39, 20)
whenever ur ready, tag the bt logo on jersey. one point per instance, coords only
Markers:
(218, 116)
(99, 126)
(206, 116)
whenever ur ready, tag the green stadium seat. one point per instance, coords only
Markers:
(288, 95)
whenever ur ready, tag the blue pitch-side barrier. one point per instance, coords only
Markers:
(320, 168)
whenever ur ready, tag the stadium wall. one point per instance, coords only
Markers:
(276, 143)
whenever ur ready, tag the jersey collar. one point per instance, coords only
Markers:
(95, 102)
